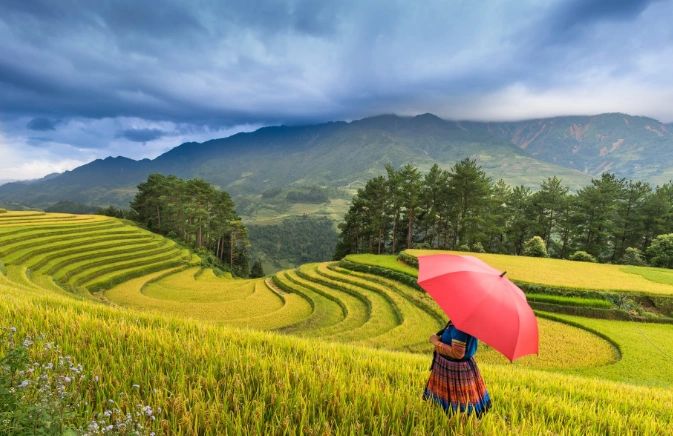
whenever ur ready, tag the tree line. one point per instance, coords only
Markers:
(610, 220)
(195, 213)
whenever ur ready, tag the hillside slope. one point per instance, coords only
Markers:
(631, 146)
(200, 377)
(337, 156)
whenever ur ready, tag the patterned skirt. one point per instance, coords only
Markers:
(457, 386)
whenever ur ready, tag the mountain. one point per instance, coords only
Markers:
(270, 171)
(630, 146)
(260, 168)
(280, 172)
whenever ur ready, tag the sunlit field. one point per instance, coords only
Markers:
(317, 349)
(553, 272)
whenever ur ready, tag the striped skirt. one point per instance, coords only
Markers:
(457, 386)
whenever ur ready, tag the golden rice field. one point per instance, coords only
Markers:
(554, 272)
(344, 352)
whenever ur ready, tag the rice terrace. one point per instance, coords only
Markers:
(190, 340)
(292, 217)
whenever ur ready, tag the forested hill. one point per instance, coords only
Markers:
(270, 170)
(333, 156)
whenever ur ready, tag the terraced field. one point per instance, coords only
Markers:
(567, 273)
(81, 253)
(211, 379)
(348, 350)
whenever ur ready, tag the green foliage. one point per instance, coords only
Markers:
(256, 270)
(478, 247)
(408, 259)
(582, 256)
(535, 247)
(117, 212)
(463, 209)
(270, 193)
(633, 256)
(313, 194)
(293, 241)
(71, 207)
(196, 213)
(660, 251)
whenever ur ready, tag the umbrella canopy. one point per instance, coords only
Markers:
(481, 301)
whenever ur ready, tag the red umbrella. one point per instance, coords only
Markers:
(481, 301)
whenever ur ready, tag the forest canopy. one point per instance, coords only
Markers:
(195, 213)
(463, 209)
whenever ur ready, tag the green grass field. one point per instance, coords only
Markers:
(343, 352)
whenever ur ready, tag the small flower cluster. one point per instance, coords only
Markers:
(114, 420)
(40, 387)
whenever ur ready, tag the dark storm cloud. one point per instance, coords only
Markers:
(574, 13)
(225, 63)
(41, 124)
(141, 135)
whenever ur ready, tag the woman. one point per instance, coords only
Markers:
(455, 382)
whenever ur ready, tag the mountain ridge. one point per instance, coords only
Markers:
(340, 155)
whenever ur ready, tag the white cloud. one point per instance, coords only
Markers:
(27, 154)
(19, 161)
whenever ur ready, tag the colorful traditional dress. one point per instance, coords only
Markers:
(455, 382)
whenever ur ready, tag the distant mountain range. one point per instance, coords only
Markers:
(260, 168)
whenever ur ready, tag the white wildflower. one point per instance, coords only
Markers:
(24, 384)
(147, 410)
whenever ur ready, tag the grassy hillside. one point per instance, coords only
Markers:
(347, 353)
(554, 272)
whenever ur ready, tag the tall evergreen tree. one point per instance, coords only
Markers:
(596, 208)
(628, 225)
(410, 180)
(196, 213)
(469, 190)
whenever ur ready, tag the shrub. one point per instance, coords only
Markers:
(257, 270)
(582, 256)
(535, 247)
(661, 251)
(463, 247)
(478, 247)
(408, 259)
(633, 256)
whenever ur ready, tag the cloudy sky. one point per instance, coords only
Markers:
(86, 79)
